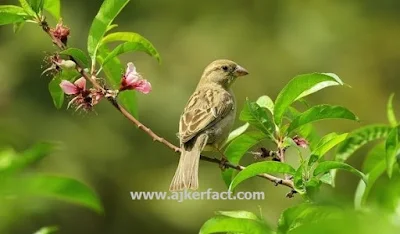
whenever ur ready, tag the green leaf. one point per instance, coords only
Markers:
(321, 112)
(18, 26)
(298, 177)
(258, 117)
(10, 14)
(61, 188)
(219, 224)
(266, 102)
(291, 113)
(259, 168)
(327, 179)
(53, 7)
(240, 214)
(107, 13)
(301, 86)
(27, 8)
(360, 137)
(237, 148)
(36, 5)
(325, 144)
(113, 70)
(305, 213)
(20, 161)
(47, 230)
(325, 167)
(111, 27)
(363, 190)
(129, 101)
(374, 157)
(390, 112)
(79, 56)
(237, 132)
(7, 157)
(388, 198)
(56, 92)
(392, 147)
(133, 42)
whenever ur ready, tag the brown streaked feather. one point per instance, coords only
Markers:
(202, 111)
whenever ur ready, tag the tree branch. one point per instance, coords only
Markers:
(148, 131)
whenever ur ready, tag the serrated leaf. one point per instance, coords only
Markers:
(53, 7)
(363, 190)
(223, 224)
(257, 117)
(240, 214)
(107, 13)
(325, 167)
(237, 149)
(113, 70)
(305, 213)
(299, 87)
(360, 137)
(390, 112)
(321, 112)
(56, 187)
(266, 102)
(259, 168)
(10, 14)
(79, 56)
(57, 94)
(392, 147)
(132, 42)
(237, 132)
(325, 144)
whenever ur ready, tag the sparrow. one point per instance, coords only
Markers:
(206, 120)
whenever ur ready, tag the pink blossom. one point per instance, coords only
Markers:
(82, 98)
(73, 88)
(132, 80)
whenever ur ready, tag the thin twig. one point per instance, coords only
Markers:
(148, 131)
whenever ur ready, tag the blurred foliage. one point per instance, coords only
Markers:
(274, 40)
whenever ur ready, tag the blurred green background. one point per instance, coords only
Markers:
(274, 40)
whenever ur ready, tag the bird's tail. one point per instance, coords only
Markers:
(186, 175)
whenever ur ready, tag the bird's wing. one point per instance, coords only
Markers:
(204, 108)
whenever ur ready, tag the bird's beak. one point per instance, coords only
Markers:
(240, 71)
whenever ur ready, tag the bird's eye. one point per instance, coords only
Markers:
(225, 68)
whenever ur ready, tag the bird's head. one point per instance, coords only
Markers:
(223, 72)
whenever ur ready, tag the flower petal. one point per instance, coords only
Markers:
(68, 88)
(131, 75)
(143, 86)
(81, 83)
(130, 68)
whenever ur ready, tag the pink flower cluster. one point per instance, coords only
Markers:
(87, 98)
(83, 98)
